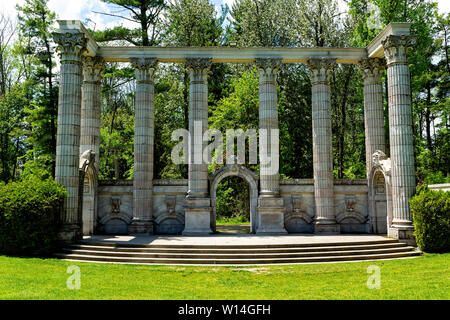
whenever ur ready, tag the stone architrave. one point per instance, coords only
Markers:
(198, 209)
(400, 135)
(325, 220)
(142, 222)
(372, 70)
(271, 208)
(71, 47)
(91, 105)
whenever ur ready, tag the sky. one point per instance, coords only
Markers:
(84, 9)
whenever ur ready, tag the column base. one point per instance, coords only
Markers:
(324, 228)
(70, 233)
(141, 227)
(197, 217)
(271, 216)
(403, 234)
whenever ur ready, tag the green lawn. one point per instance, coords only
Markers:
(425, 277)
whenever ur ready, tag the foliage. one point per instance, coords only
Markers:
(431, 215)
(29, 216)
(233, 200)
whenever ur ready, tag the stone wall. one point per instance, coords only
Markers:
(115, 205)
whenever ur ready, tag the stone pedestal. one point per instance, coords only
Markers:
(400, 135)
(197, 216)
(325, 221)
(373, 109)
(270, 204)
(143, 147)
(71, 47)
(198, 203)
(271, 212)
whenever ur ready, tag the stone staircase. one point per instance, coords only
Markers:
(182, 254)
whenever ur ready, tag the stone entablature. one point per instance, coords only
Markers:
(316, 205)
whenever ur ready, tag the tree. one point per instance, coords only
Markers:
(145, 13)
(35, 25)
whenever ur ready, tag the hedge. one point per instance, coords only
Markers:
(431, 215)
(29, 217)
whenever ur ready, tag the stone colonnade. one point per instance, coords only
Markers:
(81, 109)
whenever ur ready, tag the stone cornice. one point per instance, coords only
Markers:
(92, 69)
(320, 69)
(71, 46)
(396, 48)
(372, 69)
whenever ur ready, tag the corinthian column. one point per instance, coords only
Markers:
(71, 47)
(143, 146)
(400, 135)
(373, 108)
(90, 106)
(270, 203)
(198, 211)
(325, 221)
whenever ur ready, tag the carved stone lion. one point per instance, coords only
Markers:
(86, 159)
(379, 158)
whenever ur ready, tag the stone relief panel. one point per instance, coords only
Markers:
(168, 214)
(351, 212)
(298, 197)
(115, 209)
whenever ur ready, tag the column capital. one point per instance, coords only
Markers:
(396, 48)
(372, 68)
(198, 64)
(320, 69)
(268, 66)
(144, 69)
(199, 69)
(92, 69)
(71, 46)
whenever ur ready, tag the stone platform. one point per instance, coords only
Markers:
(235, 239)
(239, 249)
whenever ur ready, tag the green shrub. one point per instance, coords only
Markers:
(431, 216)
(29, 216)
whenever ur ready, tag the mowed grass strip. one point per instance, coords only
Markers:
(425, 277)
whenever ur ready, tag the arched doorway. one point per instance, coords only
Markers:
(250, 177)
(380, 196)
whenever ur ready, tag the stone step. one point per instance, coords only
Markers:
(238, 250)
(237, 246)
(234, 255)
(234, 261)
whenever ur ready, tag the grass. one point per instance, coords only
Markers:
(231, 220)
(425, 277)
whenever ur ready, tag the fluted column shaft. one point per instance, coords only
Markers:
(198, 124)
(322, 145)
(400, 128)
(90, 106)
(143, 146)
(268, 121)
(71, 47)
(373, 109)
